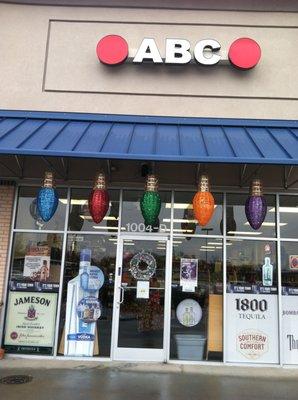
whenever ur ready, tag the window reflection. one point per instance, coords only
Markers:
(27, 215)
(80, 218)
(203, 340)
(237, 224)
(184, 221)
(288, 214)
(132, 219)
(36, 260)
(245, 260)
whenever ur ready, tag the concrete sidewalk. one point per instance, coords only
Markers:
(57, 379)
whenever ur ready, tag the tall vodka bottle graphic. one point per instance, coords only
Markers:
(79, 336)
(267, 273)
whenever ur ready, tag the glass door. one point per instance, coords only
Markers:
(142, 303)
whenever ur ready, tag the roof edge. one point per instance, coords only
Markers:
(148, 119)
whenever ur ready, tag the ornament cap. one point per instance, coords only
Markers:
(151, 183)
(48, 181)
(256, 188)
(204, 185)
(100, 182)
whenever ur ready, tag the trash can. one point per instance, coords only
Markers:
(190, 347)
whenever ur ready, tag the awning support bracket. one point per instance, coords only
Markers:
(254, 173)
(287, 173)
(50, 165)
(21, 163)
(242, 174)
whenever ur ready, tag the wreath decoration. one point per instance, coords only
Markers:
(142, 266)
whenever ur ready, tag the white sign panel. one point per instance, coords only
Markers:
(31, 319)
(252, 328)
(290, 326)
(143, 289)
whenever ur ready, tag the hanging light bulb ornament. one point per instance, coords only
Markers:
(47, 198)
(256, 206)
(99, 199)
(203, 202)
(150, 201)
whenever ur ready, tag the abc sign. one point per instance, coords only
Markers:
(244, 53)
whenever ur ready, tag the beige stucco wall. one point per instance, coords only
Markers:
(48, 62)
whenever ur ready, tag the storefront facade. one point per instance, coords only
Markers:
(123, 289)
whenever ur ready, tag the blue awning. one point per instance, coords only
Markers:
(149, 138)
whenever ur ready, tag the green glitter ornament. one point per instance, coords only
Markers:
(150, 201)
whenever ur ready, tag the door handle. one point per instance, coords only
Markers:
(121, 295)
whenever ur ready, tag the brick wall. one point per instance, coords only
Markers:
(6, 207)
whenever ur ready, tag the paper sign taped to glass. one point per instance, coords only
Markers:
(188, 274)
(37, 263)
(143, 289)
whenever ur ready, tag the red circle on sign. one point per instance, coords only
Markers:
(112, 50)
(244, 53)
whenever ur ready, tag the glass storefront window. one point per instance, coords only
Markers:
(103, 255)
(80, 218)
(184, 222)
(197, 312)
(252, 302)
(237, 224)
(33, 293)
(141, 320)
(132, 219)
(251, 298)
(27, 215)
(289, 265)
(36, 259)
(288, 215)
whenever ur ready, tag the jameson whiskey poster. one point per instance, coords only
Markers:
(290, 325)
(30, 321)
(252, 324)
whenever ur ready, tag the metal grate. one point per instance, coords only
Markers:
(16, 379)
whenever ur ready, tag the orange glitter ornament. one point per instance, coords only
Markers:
(203, 202)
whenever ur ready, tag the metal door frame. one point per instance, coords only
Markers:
(129, 354)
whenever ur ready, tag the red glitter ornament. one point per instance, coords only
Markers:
(99, 199)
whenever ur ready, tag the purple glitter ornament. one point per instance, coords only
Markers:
(256, 206)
